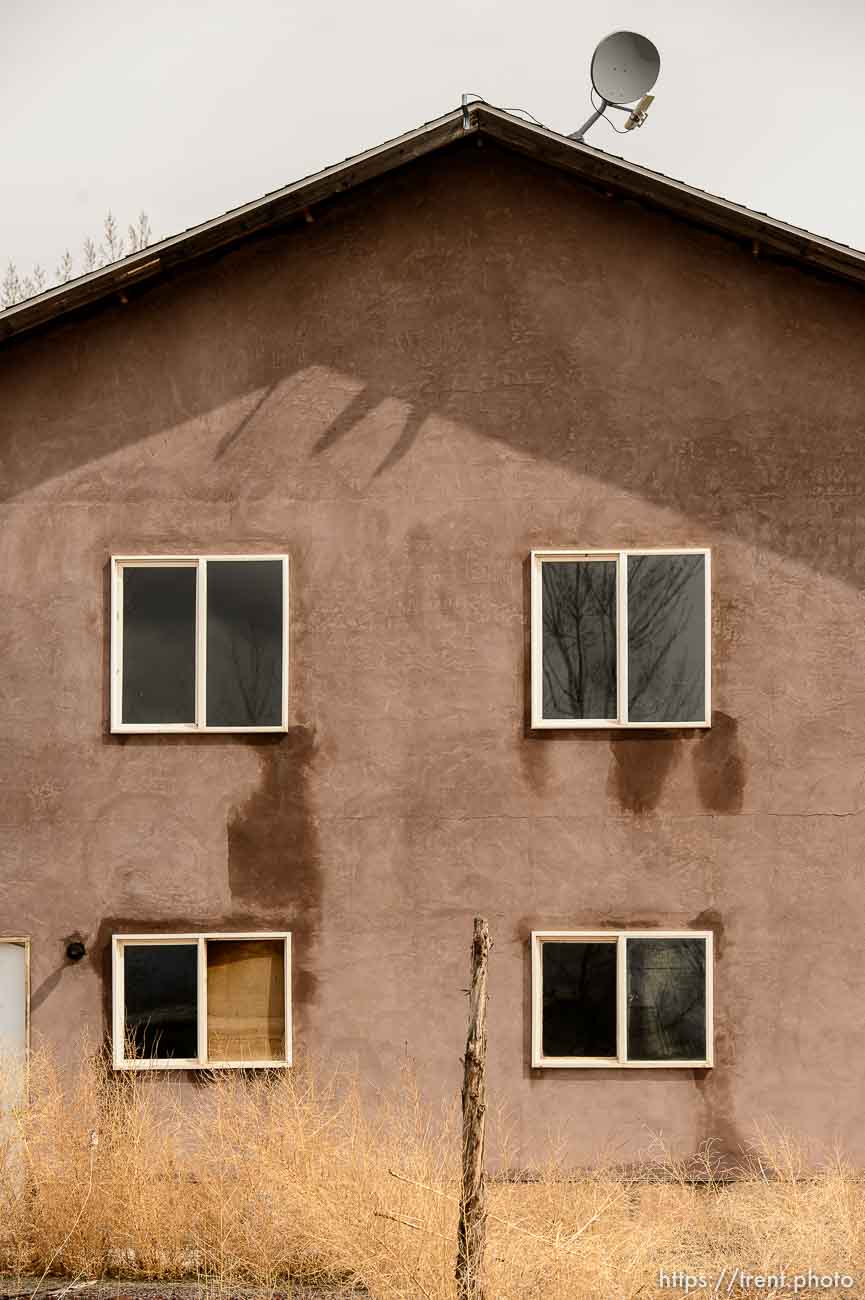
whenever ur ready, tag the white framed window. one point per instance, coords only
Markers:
(631, 998)
(201, 1001)
(199, 643)
(621, 638)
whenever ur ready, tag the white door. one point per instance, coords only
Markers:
(13, 1017)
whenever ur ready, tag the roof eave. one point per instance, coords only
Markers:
(606, 171)
(618, 175)
(231, 227)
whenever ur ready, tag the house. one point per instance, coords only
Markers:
(473, 527)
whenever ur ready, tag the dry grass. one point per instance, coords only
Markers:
(269, 1180)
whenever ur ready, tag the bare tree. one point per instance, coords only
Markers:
(10, 290)
(15, 288)
(89, 255)
(33, 283)
(64, 271)
(139, 235)
(113, 247)
(472, 1225)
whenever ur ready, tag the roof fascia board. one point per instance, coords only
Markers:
(233, 225)
(673, 196)
(538, 142)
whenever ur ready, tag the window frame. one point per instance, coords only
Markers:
(620, 557)
(620, 1061)
(199, 563)
(201, 1062)
(23, 941)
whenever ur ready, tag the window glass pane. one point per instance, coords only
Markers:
(161, 1012)
(159, 644)
(579, 999)
(245, 1000)
(666, 999)
(666, 638)
(245, 621)
(579, 639)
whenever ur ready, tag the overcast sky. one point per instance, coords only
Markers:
(190, 107)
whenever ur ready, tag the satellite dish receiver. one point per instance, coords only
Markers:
(624, 68)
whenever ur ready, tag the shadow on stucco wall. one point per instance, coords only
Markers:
(739, 373)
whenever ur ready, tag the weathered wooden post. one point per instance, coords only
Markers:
(472, 1231)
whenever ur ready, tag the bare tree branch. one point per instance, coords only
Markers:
(16, 288)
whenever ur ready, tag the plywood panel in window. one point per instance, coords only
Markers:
(245, 1000)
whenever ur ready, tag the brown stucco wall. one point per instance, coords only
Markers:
(471, 358)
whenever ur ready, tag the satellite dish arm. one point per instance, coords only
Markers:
(599, 112)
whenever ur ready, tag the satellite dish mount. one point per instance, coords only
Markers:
(624, 69)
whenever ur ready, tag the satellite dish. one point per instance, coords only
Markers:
(624, 67)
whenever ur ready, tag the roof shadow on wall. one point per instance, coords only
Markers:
(481, 288)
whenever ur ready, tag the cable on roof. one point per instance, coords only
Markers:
(604, 117)
(525, 112)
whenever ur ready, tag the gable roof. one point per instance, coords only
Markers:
(766, 235)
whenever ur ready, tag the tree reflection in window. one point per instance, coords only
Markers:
(666, 999)
(245, 620)
(579, 639)
(666, 638)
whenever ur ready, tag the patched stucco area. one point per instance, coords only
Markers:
(448, 367)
